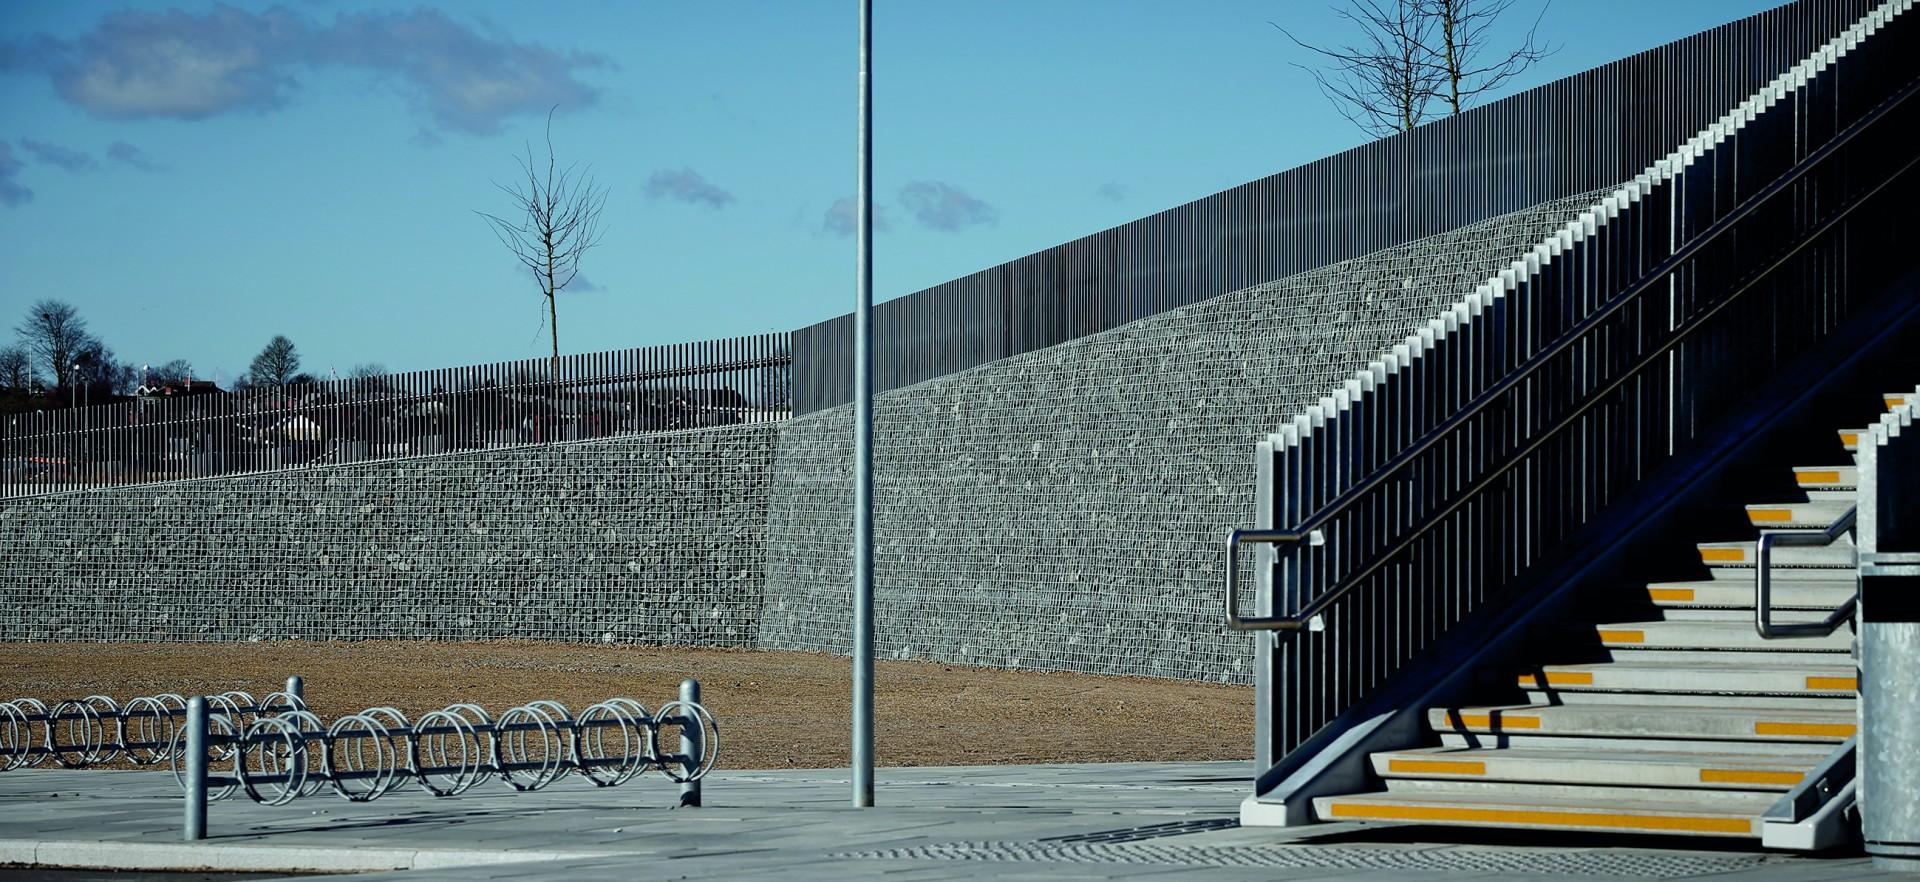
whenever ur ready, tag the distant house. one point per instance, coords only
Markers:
(179, 388)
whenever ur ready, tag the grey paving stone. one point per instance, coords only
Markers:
(793, 825)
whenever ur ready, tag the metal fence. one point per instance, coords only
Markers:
(277, 750)
(450, 410)
(1586, 132)
(1435, 478)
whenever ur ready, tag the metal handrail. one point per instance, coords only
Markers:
(1339, 504)
(1763, 581)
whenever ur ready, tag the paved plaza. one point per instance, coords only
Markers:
(1090, 821)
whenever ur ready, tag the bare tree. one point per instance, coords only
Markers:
(369, 377)
(277, 364)
(173, 373)
(1413, 52)
(16, 369)
(1460, 54)
(101, 373)
(1383, 83)
(556, 220)
(53, 333)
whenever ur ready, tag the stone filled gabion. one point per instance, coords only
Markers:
(652, 539)
(1065, 509)
(1060, 510)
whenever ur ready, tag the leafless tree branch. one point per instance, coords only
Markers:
(557, 221)
(1383, 83)
(1411, 52)
(1465, 31)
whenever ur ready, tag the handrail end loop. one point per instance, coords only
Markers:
(1243, 535)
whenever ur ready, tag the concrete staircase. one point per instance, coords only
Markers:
(1687, 723)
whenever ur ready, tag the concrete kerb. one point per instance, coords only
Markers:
(202, 856)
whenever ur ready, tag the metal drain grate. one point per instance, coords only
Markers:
(1151, 831)
(1537, 863)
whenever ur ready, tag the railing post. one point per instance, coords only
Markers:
(690, 744)
(1263, 605)
(196, 769)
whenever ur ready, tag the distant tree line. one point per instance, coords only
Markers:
(55, 362)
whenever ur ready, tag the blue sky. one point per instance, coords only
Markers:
(198, 177)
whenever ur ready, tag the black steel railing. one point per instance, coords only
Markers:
(1436, 478)
(391, 416)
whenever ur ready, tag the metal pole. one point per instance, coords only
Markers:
(297, 688)
(691, 746)
(1889, 641)
(196, 821)
(863, 436)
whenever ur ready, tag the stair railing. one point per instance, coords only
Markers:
(1763, 581)
(1440, 473)
(1763, 571)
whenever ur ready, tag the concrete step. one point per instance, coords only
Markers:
(1798, 515)
(1657, 812)
(1784, 679)
(1850, 439)
(1741, 615)
(1742, 574)
(1709, 657)
(1791, 591)
(1525, 741)
(1838, 701)
(1550, 790)
(1712, 635)
(1618, 768)
(1844, 477)
(1648, 721)
(1729, 555)
(1895, 399)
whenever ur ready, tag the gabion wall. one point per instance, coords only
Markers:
(1058, 510)
(654, 539)
(1065, 509)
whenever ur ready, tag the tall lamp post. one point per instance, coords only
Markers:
(863, 435)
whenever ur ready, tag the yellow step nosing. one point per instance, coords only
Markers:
(1678, 595)
(1847, 684)
(1820, 476)
(1750, 776)
(1541, 817)
(1819, 730)
(1494, 720)
(1608, 635)
(1770, 515)
(1557, 678)
(1436, 767)
(1723, 555)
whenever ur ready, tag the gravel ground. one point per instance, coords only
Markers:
(775, 709)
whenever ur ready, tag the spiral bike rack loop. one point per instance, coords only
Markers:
(276, 750)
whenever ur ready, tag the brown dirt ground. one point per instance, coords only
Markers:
(775, 709)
